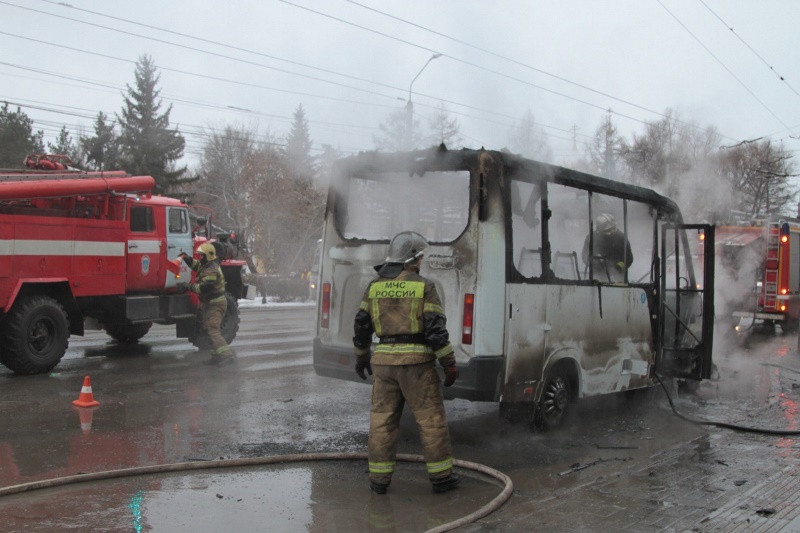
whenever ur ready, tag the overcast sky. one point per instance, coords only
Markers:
(350, 64)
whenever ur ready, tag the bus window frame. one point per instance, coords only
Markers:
(513, 275)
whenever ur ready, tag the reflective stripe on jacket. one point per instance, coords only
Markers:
(404, 306)
(209, 282)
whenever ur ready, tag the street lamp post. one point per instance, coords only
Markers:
(410, 105)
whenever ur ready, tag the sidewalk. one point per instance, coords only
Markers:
(774, 505)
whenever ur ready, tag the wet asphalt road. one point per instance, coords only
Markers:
(621, 463)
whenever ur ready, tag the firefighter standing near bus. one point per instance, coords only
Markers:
(210, 286)
(403, 309)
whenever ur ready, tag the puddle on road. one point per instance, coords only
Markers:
(321, 496)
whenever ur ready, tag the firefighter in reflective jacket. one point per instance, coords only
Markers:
(403, 309)
(210, 285)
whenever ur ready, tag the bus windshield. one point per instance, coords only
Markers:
(378, 206)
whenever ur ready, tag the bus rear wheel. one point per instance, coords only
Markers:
(554, 406)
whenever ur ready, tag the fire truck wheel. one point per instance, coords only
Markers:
(555, 402)
(35, 335)
(127, 333)
(229, 327)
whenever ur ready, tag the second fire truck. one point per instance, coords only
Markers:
(758, 271)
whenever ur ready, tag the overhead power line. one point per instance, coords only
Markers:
(246, 50)
(501, 74)
(249, 84)
(464, 61)
(327, 71)
(780, 77)
(718, 60)
(499, 56)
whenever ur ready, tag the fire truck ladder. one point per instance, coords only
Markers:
(771, 265)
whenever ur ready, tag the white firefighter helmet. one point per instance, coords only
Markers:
(207, 249)
(605, 223)
(405, 247)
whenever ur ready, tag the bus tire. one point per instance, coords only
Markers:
(229, 327)
(554, 405)
(127, 333)
(35, 335)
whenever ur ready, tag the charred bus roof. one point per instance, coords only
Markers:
(440, 159)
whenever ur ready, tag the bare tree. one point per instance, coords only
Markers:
(605, 151)
(286, 214)
(760, 173)
(251, 184)
(530, 140)
(655, 156)
(444, 128)
(679, 159)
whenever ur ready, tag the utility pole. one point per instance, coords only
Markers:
(410, 106)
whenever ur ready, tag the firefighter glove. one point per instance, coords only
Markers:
(361, 366)
(620, 266)
(450, 375)
(186, 259)
(182, 287)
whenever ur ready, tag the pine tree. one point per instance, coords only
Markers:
(394, 133)
(17, 139)
(102, 150)
(65, 146)
(298, 148)
(148, 145)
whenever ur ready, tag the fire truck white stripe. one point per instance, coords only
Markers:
(44, 247)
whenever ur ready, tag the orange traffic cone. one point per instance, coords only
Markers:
(174, 266)
(85, 415)
(86, 398)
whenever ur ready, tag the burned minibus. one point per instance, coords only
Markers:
(539, 313)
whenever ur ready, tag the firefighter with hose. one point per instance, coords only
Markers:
(403, 309)
(210, 286)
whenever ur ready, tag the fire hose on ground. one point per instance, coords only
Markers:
(499, 500)
(726, 425)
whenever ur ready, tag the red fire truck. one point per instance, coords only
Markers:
(758, 271)
(82, 250)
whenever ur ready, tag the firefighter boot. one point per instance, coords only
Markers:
(225, 359)
(213, 361)
(221, 359)
(378, 488)
(445, 484)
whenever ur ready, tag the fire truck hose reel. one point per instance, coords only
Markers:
(493, 505)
